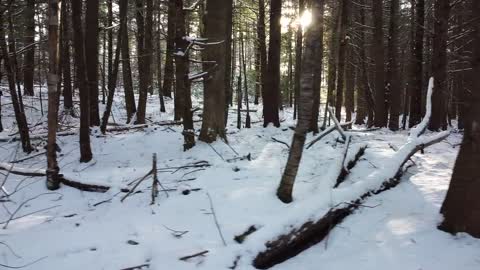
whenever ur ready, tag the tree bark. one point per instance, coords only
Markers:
(313, 51)
(126, 68)
(67, 76)
(415, 87)
(141, 62)
(83, 86)
(461, 208)
(169, 69)
(381, 116)
(91, 55)
(53, 180)
(272, 87)
(439, 66)
(298, 59)
(29, 39)
(393, 79)
(341, 58)
(213, 124)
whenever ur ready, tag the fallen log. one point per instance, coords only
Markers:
(348, 199)
(329, 130)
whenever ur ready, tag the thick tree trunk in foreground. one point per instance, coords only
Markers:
(53, 181)
(29, 59)
(381, 116)
(91, 55)
(440, 65)
(85, 150)
(461, 208)
(213, 123)
(272, 87)
(313, 51)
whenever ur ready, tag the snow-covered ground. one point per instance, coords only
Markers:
(69, 229)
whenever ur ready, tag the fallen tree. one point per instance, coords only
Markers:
(348, 199)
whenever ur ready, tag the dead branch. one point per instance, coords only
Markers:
(282, 142)
(138, 267)
(202, 253)
(240, 238)
(215, 219)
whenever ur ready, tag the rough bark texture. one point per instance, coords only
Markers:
(415, 87)
(272, 87)
(313, 51)
(461, 208)
(141, 57)
(380, 118)
(393, 79)
(169, 70)
(91, 55)
(439, 66)
(53, 181)
(85, 150)
(29, 39)
(213, 124)
(67, 76)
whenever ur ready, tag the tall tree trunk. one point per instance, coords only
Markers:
(350, 77)
(169, 70)
(393, 83)
(461, 207)
(148, 48)
(298, 58)
(16, 102)
(439, 66)
(126, 68)
(213, 123)
(91, 54)
(341, 58)
(272, 87)
(110, 36)
(262, 47)
(141, 61)
(182, 81)
(159, 55)
(417, 66)
(53, 181)
(29, 39)
(313, 44)
(67, 76)
(381, 115)
(79, 41)
(228, 58)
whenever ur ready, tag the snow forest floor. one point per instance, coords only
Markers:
(71, 229)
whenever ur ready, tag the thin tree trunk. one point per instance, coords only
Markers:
(381, 115)
(169, 69)
(29, 39)
(85, 150)
(126, 68)
(53, 181)
(159, 57)
(393, 83)
(298, 59)
(142, 62)
(67, 76)
(262, 47)
(417, 66)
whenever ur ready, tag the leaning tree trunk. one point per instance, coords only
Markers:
(440, 65)
(272, 87)
(461, 207)
(53, 181)
(85, 150)
(313, 51)
(91, 56)
(17, 108)
(29, 59)
(213, 124)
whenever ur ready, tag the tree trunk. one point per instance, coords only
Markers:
(91, 55)
(439, 66)
(182, 81)
(169, 70)
(159, 56)
(272, 87)
(381, 116)
(126, 68)
(17, 108)
(393, 83)
(213, 123)
(67, 76)
(313, 50)
(53, 180)
(29, 39)
(79, 41)
(417, 66)
(142, 62)
(110, 36)
(228, 58)
(298, 59)
(461, 207)
(262, 47)
(341, 58)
